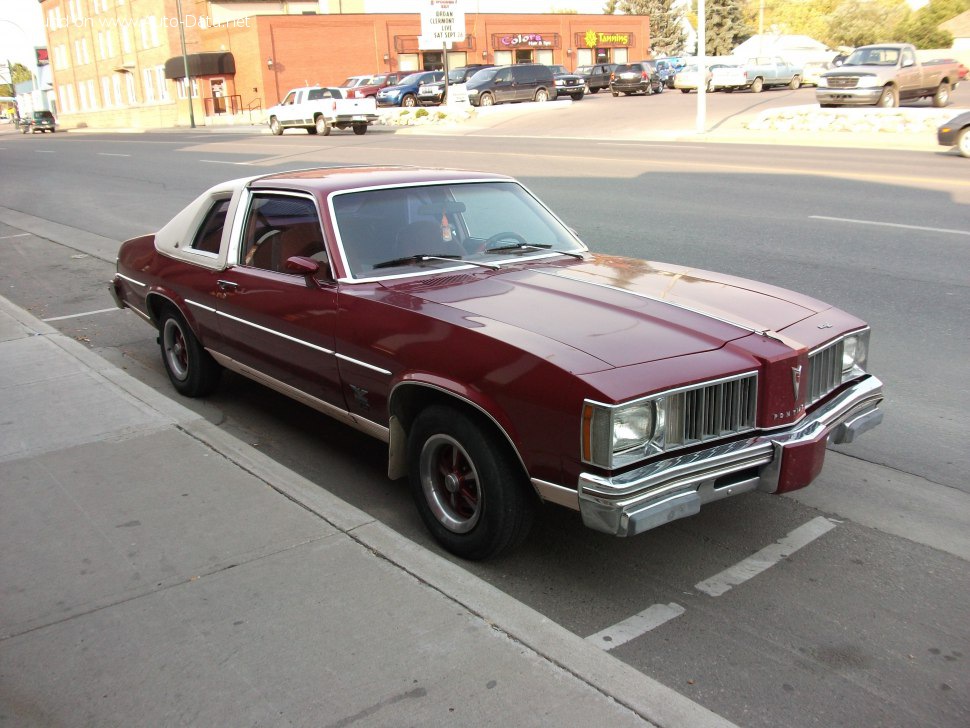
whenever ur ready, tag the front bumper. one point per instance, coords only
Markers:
(773, 462)
(848, 96)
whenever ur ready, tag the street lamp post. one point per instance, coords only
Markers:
(185, 61)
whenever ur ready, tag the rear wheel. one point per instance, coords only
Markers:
(685, 90)
(542, 95)
(942, 96)
(795, 83)
(360, 129)
(191, 369)
(711, 88)
(757, 86)
(275, 126)
(469, 489)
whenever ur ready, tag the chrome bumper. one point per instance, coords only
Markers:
(655, 494)
(848, 96)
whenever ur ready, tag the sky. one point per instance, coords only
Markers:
(21, 28)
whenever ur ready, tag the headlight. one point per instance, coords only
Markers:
(823, 82)
(855, 352)
(868, 82)
(611, 432)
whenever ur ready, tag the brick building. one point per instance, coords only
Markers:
(119, 63)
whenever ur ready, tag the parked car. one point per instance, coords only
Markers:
(770, 72)
(42, 121)
(521, 82)
(884, 75)
(666, 70)
(568, 84)
(812, 71)
(405, 91)
(318, 109)
(434, 93)
(597, 76)
(956, 133)
(687, 79)
(370, 85)
(636, 78)
(453, 316)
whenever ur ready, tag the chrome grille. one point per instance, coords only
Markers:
(843, 81)
(712, 411)
(824, 371)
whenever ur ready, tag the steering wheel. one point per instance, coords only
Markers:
(251, 253)
(505, 235)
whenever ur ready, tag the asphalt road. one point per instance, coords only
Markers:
(864, 622)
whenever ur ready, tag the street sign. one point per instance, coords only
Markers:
(442, 23)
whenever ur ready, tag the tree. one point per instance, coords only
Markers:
(19, 73)
(921, 28)
(855, 23)
(610, 7)
(725, 27)
(667, 34)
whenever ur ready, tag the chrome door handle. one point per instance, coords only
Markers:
(227, 285)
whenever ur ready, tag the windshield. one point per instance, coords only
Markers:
(561, 70)
(486, 74)
(584, 69)
(456, 75)
(413, 78)
(354, 81)
(418, 230)
(873, 57)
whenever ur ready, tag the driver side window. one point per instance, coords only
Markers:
(278, 227)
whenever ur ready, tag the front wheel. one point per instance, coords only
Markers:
(409, 100)
(685, 90)
(963, 142)
(191, 369)
(942, 96)
(888, 99)
(757, 86)
(275, 126)
(321, 125)
(615, 94)
(486, 100)
(711, 88)
(795, 83)
(469, 489)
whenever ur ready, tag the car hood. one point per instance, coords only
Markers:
(619, 311)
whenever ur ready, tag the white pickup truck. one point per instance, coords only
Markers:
(320, 108)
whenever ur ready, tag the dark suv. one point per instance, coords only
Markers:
(434, 93)
(501, 84)
(597, 76)
(38, 121)
(568, 84)
(636, 78)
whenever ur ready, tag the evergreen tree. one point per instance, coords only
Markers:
(667, 34)
(725, 26)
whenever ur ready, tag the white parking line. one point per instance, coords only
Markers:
(622, 632)
(20, 235)
(766, 558)
(222, 161)
(112, 154)
(78, 315)
(891, 224)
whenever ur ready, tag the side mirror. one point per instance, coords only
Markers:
(308, 267)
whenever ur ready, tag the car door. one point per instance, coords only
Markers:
(286, 112)
(502, 86)
(276, 323)
(909, 76)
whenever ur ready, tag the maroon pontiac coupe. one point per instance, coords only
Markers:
(455, 317)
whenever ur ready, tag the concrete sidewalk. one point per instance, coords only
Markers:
(155, 571)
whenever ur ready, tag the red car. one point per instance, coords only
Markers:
(454, 316)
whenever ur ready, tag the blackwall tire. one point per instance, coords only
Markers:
(192, 371)
(467, 485)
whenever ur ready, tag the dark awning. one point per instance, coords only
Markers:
(201, 64)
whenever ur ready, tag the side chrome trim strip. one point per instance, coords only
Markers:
(276, 333)
(358, 362)
(131, 280)
(366, 426)
(200, 305)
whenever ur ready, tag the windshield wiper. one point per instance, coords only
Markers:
(535, 246)
(414, 259)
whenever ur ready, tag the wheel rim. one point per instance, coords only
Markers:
(486, 100)
(541, 95)
(887, 99)
(409, 101)
(176, 351)
(450, 484)
(321, 125)
(942, 96)
(963, 144)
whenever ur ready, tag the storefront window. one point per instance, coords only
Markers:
(620, 55)
(503, 58)
(407, 62)
(523, 55)
(432, 61)
(544, 57)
